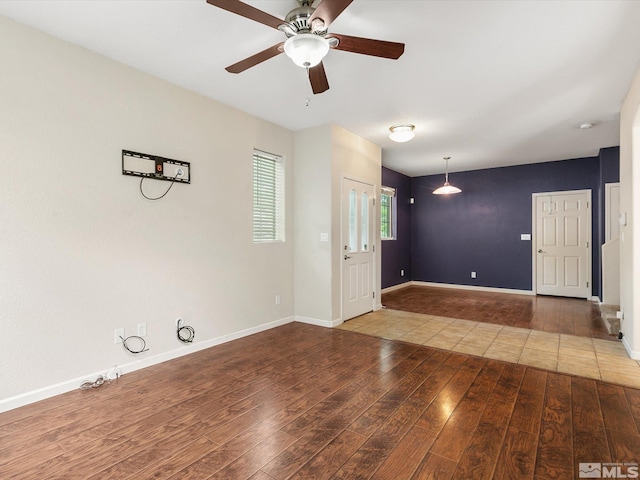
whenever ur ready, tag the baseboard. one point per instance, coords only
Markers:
(474, 287)
(74, 383)
(634, 354)
(318, 322)
(396, 287)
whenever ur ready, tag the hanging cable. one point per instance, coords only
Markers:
(185, 333)
(143, 344)
(155, 198)
(113, 374)
(178, 174)
(98, 382)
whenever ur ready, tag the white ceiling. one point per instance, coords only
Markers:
(490, 83)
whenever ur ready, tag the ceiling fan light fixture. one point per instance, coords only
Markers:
(447, 188)
(306, 49)
(402, 133)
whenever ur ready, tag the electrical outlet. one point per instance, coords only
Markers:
(402, 273)
(117, 334)
(277, 299)
(142, 329)
(473, 274)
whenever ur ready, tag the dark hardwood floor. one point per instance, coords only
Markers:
(306, 402)
(571, 316)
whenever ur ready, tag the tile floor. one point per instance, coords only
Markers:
(588, 357)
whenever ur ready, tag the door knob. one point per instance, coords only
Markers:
(540, 250)
(347, 257)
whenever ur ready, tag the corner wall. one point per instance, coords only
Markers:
(324, 156)
(479, 230)
(396, 254)
(82, 253)
(630, 205)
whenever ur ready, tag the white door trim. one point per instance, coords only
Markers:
(534, 196)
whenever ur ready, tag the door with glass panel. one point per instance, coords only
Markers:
(357, 252)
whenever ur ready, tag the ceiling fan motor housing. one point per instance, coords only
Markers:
(298, 18)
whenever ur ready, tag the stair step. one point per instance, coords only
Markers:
(609, 316)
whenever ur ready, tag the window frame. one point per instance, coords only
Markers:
(392, 209)
(268, 197)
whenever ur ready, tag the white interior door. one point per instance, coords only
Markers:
(357, 248)
(563, 243)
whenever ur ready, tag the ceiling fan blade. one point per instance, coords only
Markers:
(368, 46)
(247, 11)
(254, 60)
(329, 10)
(318, 79)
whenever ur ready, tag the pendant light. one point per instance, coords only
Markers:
(447, 188)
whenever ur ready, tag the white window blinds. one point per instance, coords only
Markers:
(268, 197)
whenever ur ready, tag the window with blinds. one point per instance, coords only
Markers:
(387, 213)
(268, 197)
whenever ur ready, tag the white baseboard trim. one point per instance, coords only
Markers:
(634, 354)
(474, 287)
(596, 299)
(74, 383)
(396, 287)
(318, 322)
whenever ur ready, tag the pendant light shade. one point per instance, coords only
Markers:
(306, 49)
(447, 188)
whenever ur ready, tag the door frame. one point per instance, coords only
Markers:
(375, 225)
(534, 218)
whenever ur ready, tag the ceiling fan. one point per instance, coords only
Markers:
(308, 40)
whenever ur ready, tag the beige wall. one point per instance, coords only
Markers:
(82, 253)
(312, 216)
(361, 160)
(324, 156)
(630, 204)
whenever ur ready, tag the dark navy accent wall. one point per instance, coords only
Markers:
(396, 254)
(479, 229)
(610, 164)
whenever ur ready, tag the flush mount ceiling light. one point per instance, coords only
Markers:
(447, 188)
(586, 126)
(402, 133)
(306, 49)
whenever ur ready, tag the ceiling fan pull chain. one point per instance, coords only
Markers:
(308, 85)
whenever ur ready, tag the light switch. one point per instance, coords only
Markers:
(324, 237)
(622, 219)
(525, 236)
